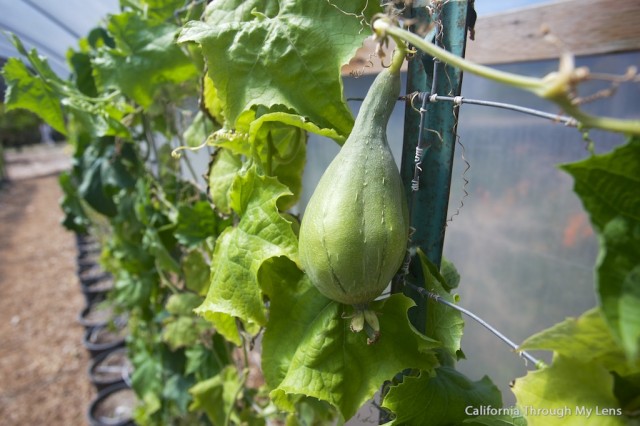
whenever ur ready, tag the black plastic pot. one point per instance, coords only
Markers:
(89, 272)
(110, 368)
(96, 290)
(85, 264)
(104, 338)
(83, 239)
(92, 250)
(113, 406)
(95, 314)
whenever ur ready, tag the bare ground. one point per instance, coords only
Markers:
(43, 365)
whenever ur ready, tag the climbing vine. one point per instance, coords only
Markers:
(225, 327)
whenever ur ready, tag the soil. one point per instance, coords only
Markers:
(43, 365)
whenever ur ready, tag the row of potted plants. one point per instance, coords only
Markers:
(104, 338)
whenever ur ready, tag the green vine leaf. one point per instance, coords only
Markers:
(217, 395)
(145, 58)
(556, 395)
(261, 234)
(223, 169)
(30, 92)
(443, 323)
(514, 419)
(309, 350)
(586, 339)
(195, 223)
(280, 148)
(288, 53)
(608, 187)
(183, 331)
(439, 398)
(198, 131)
(618, 277)
(292, 120)
(196, 272)
(157, 10)
(211, 101)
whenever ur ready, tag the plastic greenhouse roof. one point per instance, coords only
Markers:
(51, 26)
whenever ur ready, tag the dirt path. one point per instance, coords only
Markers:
(43, 365)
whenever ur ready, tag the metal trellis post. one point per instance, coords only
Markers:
(437, 139)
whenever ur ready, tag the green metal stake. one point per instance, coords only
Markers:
(429, 205)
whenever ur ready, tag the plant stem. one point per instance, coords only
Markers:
(553, 88)
(531, 83)
(607, 123)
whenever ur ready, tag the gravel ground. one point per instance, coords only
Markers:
(43, 365)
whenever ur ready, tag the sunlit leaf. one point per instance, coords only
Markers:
(587, 338)
(198, 131)
(217, 396)
(444, 324)
(309, 349)
(222, 172)
(145, 58)
(514, 419)
(561, 393)
(196, 272)
(31, 92)
(262, 233)
(608, 187)
(195, 223)
(289, 53)
(182, 303)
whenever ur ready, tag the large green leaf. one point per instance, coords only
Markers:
(277, 141)
(195, 223)
(587, 339)
(46, 94)
(176, 389)
(309, 349)
(287, 52)
(512, 418)
(563, 393)
(222, 172)
(182, 303)
(183, 331)
(618, 276)
(31, 92)
(145, 57)
(443, 323)
(608, 187)
(262, 233)
(196, 272)
(156, 10)
(198, 131)
(217, 396)
(608, 184)
(440, 398)
(83, 73)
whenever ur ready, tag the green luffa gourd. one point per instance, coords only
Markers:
(353, 235)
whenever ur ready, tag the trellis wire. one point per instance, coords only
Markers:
(459, 100)
(426, 293)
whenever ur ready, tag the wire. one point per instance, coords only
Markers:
(426, 293)
(568, 121)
